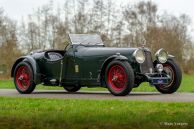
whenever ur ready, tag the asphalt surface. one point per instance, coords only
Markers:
(101, 95)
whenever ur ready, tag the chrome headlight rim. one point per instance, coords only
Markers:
(137, 53)
(162, 56)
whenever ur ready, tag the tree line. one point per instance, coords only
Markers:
(129, 25)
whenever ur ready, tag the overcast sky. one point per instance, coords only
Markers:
(15, 9)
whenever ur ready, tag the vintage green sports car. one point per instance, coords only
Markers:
(87, 62)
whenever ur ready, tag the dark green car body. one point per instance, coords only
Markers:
(80, 64)
(85, 65)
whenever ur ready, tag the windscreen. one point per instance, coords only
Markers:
(86, 39)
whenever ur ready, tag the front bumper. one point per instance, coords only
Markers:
(158, 79)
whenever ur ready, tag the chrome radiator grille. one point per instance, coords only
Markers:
(147, 66)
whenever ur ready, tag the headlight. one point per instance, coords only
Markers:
(162, 56)
(139, 56)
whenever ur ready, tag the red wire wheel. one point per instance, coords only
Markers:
(173, 70)
(119, 78)
(23, 78)
(168, 70)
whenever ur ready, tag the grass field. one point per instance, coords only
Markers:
(31, 113)
(186, 86)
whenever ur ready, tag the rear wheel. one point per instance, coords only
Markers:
(72, 88)
(173, 70)
(119, 77)
(23, 78)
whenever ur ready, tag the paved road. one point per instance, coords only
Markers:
(145, 96)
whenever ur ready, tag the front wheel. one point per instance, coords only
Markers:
(173, 70)
(23, 78)
(119, 77)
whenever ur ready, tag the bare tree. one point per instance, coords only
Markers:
(8, 44)
(126, 26)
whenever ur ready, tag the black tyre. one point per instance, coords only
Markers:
(72, 88)
(173, 70)
(23, 78)
(119, 77)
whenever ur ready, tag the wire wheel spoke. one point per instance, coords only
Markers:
(23, 77)
(169, 71)
(117, 77)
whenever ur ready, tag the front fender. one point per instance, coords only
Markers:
(33, 64)
(113, 57)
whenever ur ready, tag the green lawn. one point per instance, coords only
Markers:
(186, 86)
(31, 113)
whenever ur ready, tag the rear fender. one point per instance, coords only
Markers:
(33, 64)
